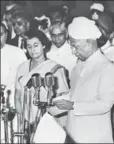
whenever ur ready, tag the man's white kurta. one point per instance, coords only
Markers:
(11, 58)
(93, 96)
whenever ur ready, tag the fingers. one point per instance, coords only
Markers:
(59, 101)
(61, 104)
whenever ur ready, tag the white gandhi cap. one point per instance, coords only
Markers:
(97, 6)
(83, 28)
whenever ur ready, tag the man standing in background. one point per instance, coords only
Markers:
(60, 50)
(11, 58)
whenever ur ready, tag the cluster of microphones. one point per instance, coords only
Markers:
(6, 108)
(36, 82)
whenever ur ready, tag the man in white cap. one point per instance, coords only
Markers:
(92, 87)
(95, 10)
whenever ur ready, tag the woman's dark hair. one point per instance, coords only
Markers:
(42, 38)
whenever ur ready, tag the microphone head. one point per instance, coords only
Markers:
(2, 87)
(36, 80)
(8, 91)
(49, 79)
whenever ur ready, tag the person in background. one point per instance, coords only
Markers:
(22, 23)
(57, 14)
(106, 41)
(11, 58)
(7, 20)
(95, 10)
(106, 26)
(60, 50)
(92, 89)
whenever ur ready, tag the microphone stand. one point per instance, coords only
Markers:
(23, 125)
(42, 106)
(5, 112)
(49, 96)
(37, 103)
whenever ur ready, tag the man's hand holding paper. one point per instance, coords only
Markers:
(55, 110)
(64, 104)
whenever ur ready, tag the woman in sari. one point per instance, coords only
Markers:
(37, 44)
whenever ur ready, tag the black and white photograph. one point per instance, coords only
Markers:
(57, 71)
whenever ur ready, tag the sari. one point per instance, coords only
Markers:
(24, 75)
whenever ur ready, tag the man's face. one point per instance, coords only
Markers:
(95, 15)
(80, 48)
(3, 35)
(58, 36)
(20, 26)
(56, 17)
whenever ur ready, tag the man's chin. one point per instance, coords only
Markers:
(58, 46)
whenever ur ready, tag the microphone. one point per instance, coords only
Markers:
(36, 80)
(2, 89)
(49, 79)
(8, 92)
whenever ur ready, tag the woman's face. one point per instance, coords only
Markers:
(35, 48)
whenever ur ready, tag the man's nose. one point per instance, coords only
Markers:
(57, 38)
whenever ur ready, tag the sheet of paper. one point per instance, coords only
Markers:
(55, 111)
(49, 131)
(65, 97)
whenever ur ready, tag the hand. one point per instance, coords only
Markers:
(64, 104)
